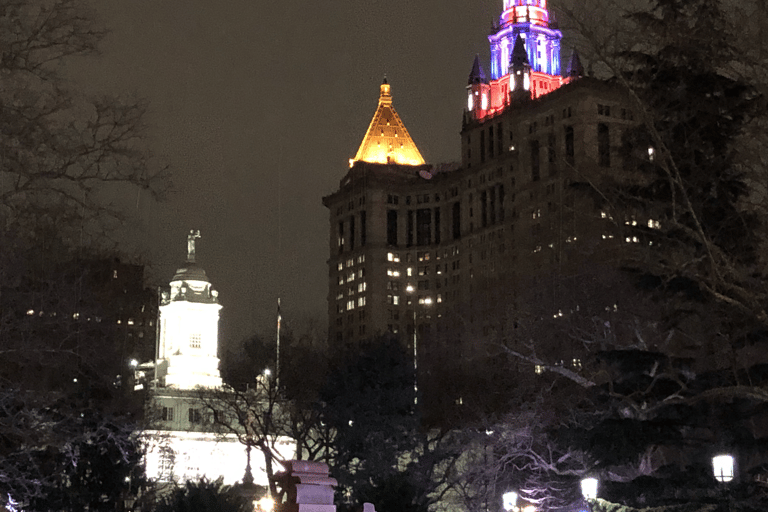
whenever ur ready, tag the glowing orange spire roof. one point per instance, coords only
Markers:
(387, 140)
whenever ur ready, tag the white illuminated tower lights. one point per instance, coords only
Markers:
(189, 328)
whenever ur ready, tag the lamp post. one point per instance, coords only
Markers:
(510, 501)
(589, 490)
(722, 465)
(723, 469)
(410, 289)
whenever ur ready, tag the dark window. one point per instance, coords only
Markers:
(363, 229)
(392, 227)
(341, 236)
(437, 225)
(569, 151)
(551, 154)
(492, 208)
(535, 161)
(484, 207)
(490, 141)
(501, 203)
(500, 137)
(195, 416)
(409, 231)
(603, 145)
(167, 414)
(352, 233)
(423, 226)
(456, 214)
(482, 146)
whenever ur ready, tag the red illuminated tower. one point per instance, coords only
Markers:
(525, 59)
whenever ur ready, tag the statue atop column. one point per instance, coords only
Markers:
(193, 234)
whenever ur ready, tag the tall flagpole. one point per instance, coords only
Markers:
(277, 351)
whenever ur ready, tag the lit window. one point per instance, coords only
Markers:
(361, 258)
(409, 271)
(350, 262)
(350, 305)
(393, 257)
(439, 297)
(539, 369)
(391, 272)
(469, 101)
(76, 316)
(577, 363)
(341, 279)
(350, 277)
(195, 340)
(114, 274)
(361, 287)
(340, 295)
(360, 302)
(30, 312)
(341, 265)
(130, 321)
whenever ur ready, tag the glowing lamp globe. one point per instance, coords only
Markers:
(723, 468)
(589, 488)
(510, 501)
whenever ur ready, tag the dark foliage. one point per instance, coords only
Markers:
(204, 496)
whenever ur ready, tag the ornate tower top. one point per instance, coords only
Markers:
(525, 59)
(387, 141)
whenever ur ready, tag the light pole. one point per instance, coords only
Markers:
(589, 490)
(510, 501)
(410, 289)
(723, 469)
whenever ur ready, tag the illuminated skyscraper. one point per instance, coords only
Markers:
(457, 253)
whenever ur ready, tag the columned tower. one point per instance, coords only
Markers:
(189, 328)
(525, 34)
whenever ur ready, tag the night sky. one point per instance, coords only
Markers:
(257, 107)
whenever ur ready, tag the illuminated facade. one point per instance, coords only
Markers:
(455, 253)
(525, 60)
(189, 328)
(387, 141)
(181, 443)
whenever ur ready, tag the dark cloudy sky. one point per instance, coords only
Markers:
(257, 105)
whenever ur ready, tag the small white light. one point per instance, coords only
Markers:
(723, 468)
(266, 504)
(133, 363)
(589, 488)
(510, 501)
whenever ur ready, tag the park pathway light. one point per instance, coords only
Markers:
(722, 466)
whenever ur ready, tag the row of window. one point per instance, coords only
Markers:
(351, 262)
(195, 415)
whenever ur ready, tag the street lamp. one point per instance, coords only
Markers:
(510, 501)
(589, 490)
(722, 465)
(410, 289)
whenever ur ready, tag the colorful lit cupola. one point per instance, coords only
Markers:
(526, 21)
(387, 141)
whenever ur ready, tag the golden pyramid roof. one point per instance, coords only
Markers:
(387, 141)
